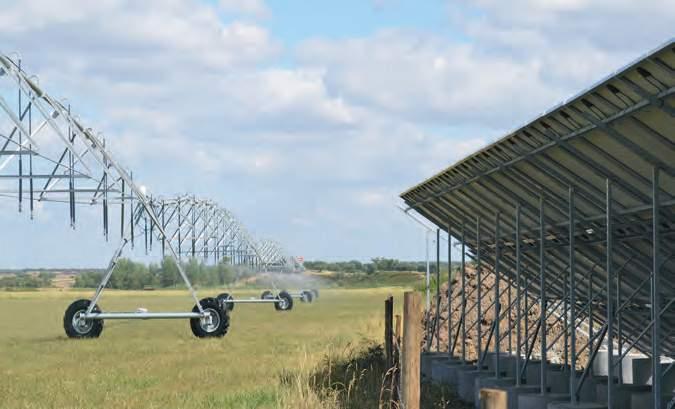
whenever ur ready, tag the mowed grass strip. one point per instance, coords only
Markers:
(159, 363)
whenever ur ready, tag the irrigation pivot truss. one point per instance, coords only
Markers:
(576, 212)
(47, 155)
(200, 228)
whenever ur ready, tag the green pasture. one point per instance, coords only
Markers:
(160, 364)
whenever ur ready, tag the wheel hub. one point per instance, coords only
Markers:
(210, 321)
(81, 324)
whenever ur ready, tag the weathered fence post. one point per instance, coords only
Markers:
(412, 341)
(388, 330)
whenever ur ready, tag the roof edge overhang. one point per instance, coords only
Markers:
(568, 101)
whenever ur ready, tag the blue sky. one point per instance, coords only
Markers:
(306, 119)
(296, 20)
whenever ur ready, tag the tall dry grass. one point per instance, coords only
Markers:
(352, 377)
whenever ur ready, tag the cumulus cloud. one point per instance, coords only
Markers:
(574, 39)
(310, 143)
(423, 77)
(256, 8)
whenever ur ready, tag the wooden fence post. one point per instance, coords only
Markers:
(412, 341)
(388, 330)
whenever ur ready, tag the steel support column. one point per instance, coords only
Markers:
(498, 303)
(518, 297)
(573, 301)
(449, 290)
(463, 293)
(479, 295)
(438, 289)
(428, 273)
(542, 296)
(610, 299)
(655, 296)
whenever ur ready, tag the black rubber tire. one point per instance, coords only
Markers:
(267, 295)
(212, 306)
(316, 293)
(94, 327)
(288, 305)
(307, 296)
(223, 300)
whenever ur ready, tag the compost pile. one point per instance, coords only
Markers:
(555, 322)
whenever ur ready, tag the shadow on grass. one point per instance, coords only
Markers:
(360, 378)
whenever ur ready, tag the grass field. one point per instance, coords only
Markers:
(261, 363)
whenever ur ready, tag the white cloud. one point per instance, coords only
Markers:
(518, 58)
(283, 99)
(314, 151)
(424, 78)
(375, 198)
(256, 8)
(616, 29)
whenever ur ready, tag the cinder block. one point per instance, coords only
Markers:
(467, 384)
(454, 372)
(515, 391)
(558, 381)
(641, 400)
(507, 363)
(589, 389)
(600, 365)
(637, 370)
(623, 394)
(578, 405)
(443, 371)
(533, 373)
(539, 401)
(642, 374)
(426, 358)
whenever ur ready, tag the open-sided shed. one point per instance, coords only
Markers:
(580, 205)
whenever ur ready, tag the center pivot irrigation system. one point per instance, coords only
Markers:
(47, 155)
(282, 300)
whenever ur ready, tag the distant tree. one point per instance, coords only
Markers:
(193, 269)
(225, 273)
(168, 273)
(45, 278)
(88, 279)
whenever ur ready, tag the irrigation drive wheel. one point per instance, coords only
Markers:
(223, 299)
(215, 324)
(76, 326)
(266, 295)
(307, 296)
(284, 303)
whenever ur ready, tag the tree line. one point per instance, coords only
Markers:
(25, 280)
(377, 264)
(129, 275)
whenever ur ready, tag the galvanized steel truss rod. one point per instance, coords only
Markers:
(75, 131)
(85, 152)
(554, 255)
(510, 303)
